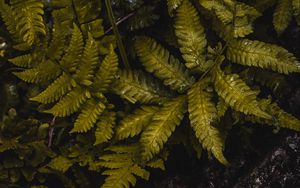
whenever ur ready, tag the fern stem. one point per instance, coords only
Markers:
(117, 34)
(119, 21)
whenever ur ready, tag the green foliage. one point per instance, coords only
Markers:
(124, 119)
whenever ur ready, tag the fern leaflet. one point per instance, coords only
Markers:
(203, 115)
(161, 127)
(191, 36)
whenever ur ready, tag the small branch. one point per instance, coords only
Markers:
(117, 34)
(51, 131)
(119, 22)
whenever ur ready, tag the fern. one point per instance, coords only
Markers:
(282, 118)
(222, 107)
(55, 90)
(105, 127)
(191, 36)
(60, 163)
(135, 87)
(70, 103)
(107, 72)
(29, 19)
(263, 55)
(282, 15)
(136, 122)
(231, 19)
(123, 167)
(161, 127)
(62, 47)
(89, 115)
(237, 94)
(158, 60)
(203, 116)
(173, 5)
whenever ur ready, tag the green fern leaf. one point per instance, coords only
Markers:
(121, 160)
(123, 167)
(157, 60)
(45, 71)
(57, 44)
(88, 62)
(191, 36)
(29, 19)
(105, 126)
(282, 15)
(173, 5)
(124, 177)
(161, 127)
(237, 94)
(263, 55)
(9, 144)
(107, 72)
(55, 90)
(282, 118)
(72, 57)
(139, 87)
(88, 116)
(203, 116)
(156, 163)
(70, 103)
(222, 107)
(25, 61)
(60, 163)
(222, 12)
(134, 124)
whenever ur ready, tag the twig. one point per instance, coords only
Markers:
(120, 21)
(117, 34)
(51, 131)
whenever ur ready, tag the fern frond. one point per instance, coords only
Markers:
(55, 90)
(232, 19)
(282, 118)
(107, 72)
(282, 15)
(29, 19)
(122, 167)
(8, 15)
(57, 43)
(173, 5)
(85, 71)
(237, 94)
(136, 86)
(222, 12)
(72, 57)
(134, 123)
(191, 36)
(8, 144)
(25, 61)
(124, 177)
(156, 163)
(70, 103)
(88, 116)
(157, 60)
(43, 72)
(60, 163)
(162, 125)
(203, 115)
(105, 127)
(263, 55)
(222, 107)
